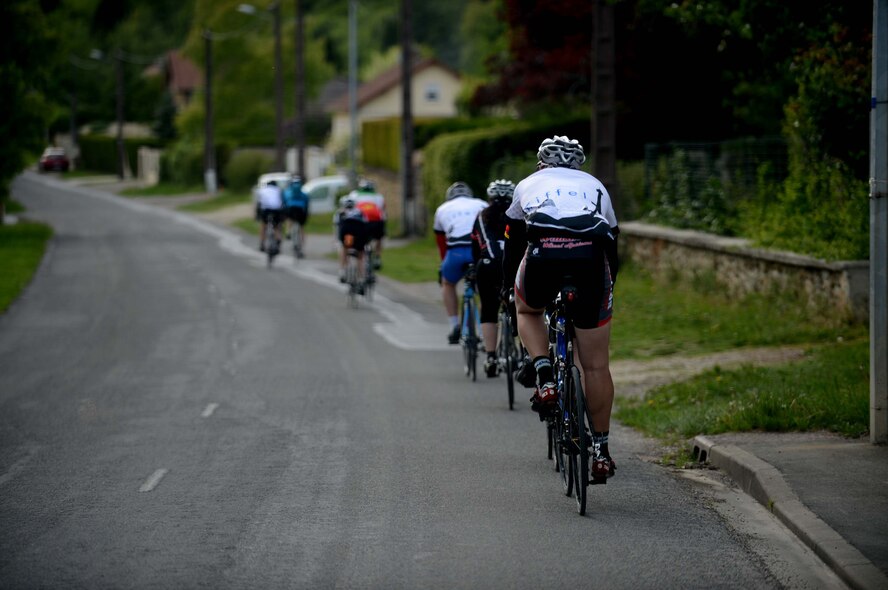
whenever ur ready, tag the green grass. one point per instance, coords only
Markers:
(654, 319)
(21, 249)
(223, 200)
(829, 390)
(415, 262)
(162, 189)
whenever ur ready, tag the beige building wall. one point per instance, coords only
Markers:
(434, 93)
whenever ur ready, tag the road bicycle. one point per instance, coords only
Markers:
(509, 350)
(370, 258)
(569, 429)
(469, 324)
(270, 242)
(296, 237)
(352, 280)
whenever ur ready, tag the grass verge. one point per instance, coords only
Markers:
(21, 248)
(829, 390)
(223, 200)
(162, 189)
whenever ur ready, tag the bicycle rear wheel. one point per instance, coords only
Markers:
(579, 425)
(566, 466)
(351, 279)
(271, 245)
(508, 356)
(296, 236)
(470, 341)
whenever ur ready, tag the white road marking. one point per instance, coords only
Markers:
(208, 411)
(153, 481)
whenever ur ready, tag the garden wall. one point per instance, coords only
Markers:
(829, 287)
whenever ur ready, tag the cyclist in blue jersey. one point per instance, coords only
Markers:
(454, 219)
(296, 209)
(562, 224)
(488, 237)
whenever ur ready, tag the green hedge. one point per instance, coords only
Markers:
(475, 157)
(244, 168)
(98, 153)
(182, 163)
(381, 143)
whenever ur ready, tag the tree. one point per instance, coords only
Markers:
(27, 54)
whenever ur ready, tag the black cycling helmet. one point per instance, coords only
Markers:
(458, 189)
(562, 152)
(500, 190)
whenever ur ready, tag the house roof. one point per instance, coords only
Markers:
(390, 78)
(183, 74)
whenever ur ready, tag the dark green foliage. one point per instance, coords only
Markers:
(98, 153)
(27, 47)
(381, 143)
(472, 156)
(244, 168)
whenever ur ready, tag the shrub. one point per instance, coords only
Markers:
(245, 167)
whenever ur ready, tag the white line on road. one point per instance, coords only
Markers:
(154, 480)
(208, 411)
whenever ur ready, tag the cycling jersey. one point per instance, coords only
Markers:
(375, 213)
(565, 202)
(488, 233)
(455, 218)
(295, 197)
(270, 197)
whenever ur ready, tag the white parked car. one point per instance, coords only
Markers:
(322, 192)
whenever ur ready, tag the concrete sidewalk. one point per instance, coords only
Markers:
(832, 493)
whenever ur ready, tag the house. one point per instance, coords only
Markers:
(434, 88)
(180, 75)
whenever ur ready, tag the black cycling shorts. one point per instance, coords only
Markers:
(376, 230)
(353, 234)
(276, 215)
(297, 214)
(489, 281)
(539, 280)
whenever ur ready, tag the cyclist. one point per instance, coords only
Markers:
(488, 236)
(562, 223)
(453, 230)
(269, 206)
(351, 230)
(373, 205)
(296, 208)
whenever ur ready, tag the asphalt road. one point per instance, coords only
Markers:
(175, 415)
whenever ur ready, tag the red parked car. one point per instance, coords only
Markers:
(54, 159)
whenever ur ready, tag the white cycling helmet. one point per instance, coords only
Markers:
(458, 189)
(501, 190)
(562, 152)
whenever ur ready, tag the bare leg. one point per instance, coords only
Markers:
(488, 334)
(448, 294)
(592, 345)
(532, 329)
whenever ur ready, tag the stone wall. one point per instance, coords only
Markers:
(837, 288)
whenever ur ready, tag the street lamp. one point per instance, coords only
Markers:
(275, 10)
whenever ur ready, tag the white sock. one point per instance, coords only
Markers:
(454, 321)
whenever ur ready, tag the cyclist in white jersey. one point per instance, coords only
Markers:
(562, 224)
(454, 219)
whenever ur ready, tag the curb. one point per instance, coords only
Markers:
(766, 484)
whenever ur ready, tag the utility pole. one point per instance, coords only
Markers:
(278, 89)
(408, 202)
(604, 97)
(209, 140)
(299, 95)
(121, 151)
(879, 228)
(353, 91)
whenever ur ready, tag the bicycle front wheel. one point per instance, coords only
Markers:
(580, 434)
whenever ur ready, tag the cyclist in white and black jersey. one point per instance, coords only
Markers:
(488, 238)
(453, 231)
(562, 224)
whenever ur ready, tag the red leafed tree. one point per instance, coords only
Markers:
(549, 54)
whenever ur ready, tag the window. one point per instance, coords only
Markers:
(432, 92)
